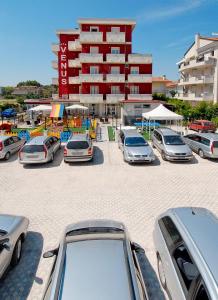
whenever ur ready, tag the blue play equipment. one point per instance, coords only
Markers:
(24, 134)
(8, 113)
(86, 123)
(147, 124)
(65, 135)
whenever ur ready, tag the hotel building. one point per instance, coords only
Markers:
(97, 68)
(199, 71)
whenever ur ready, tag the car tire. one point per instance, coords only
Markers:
(16, 256)
(7, 155)
(201, 153)
(163, 156)
(161, 272)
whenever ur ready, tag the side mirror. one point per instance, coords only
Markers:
(50, 253)
(4, 243)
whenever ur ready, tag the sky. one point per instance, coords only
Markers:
(165, 28)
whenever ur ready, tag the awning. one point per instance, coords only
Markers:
(57, 111)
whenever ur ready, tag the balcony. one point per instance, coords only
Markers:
(91, 77)
(91, 57)
(74, 63)
(74, 80)
(55, 81)
(196, 96)
(144, 78)
(115, 78)
(55, 48)
(194, 63)
(115, 98)
(54, 64)
(139, 97)
(139, 59)
(74, 97)
(74, 46)
(91, 98)
(91, 37)
(116, 58)
(196, 80)
(116, 37)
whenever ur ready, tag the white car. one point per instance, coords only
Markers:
(78, 148)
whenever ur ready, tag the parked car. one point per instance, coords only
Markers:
(10, 145)
(186, 244)
(134, 147)
(170, 144)
(95, 260)
(78, 148)
(8, 113)
(13, 231)
(202, 126)
(205, 144)
(40, 149)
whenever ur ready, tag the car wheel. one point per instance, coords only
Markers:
(161, 272)
(7, 156)
(17, 253)
(163, 156)
(201, 153)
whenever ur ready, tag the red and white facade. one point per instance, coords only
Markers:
(96, 67)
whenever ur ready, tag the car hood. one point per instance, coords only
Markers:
(7, 222)
(142, 150)
(178, 149)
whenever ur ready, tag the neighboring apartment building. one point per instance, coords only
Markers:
(199, 71)
(96, 67)
(25, 90)
(162, 85)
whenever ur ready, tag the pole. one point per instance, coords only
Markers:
(45, 122)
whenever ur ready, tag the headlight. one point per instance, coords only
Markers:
(169, 153)
(129, 154)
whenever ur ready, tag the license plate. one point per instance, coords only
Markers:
(32, 156)
(77, 153)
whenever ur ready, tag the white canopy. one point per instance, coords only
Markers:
(76, 106)
(161, 113)
(42, 107)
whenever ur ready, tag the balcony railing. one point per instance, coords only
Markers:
(197, 63)
(116, 37)
(196, 80)
(139, 97)
(91, 37)
(91, 57)
(91, 98)
(116, 58)
(140, 78)
(55, 48)
(139, 59)
(196, 96)
(55, 96)
(74, 97)
(74, 63)
(91, 77)
(115, 78)
(114, 98)
(54, 64)
(74, 45)
(74, 80)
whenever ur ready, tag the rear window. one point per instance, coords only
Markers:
(33, 148)
(173, 140)
(135, 142)
(207, 124)
(77, 145)
(215, 144)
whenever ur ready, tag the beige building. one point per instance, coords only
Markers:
(199, 71)
(162, 85)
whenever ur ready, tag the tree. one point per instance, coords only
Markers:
(173, 93)
(29, 83)
(7, 91)
(159, 96)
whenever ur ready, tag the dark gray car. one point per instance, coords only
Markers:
(170, 145)
(95, 260)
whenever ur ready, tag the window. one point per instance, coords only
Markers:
(94, 29)
(134, 70)
(115, 90)
(134, 89)
(15, 139)
(201, 294)
(115, 50)
(168, 228)
(76, 145)
(94, 89)
(204, 141)
(49, 143)
(94, 70)
(146, 105)
(115, 29)
(115, 70)
(94, 50)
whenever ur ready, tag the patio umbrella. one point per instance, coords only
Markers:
(76, 106)
(42, 108)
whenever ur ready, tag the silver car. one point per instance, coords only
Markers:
(134, 147)
(186, 243)
(78, 148)
(10, 145)
(205, 144)
(13, 231)
(40, 149)
(95, 260)
(171, 145)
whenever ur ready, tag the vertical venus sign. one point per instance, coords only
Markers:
(63, 85)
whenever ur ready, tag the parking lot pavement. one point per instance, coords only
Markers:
(57, 194)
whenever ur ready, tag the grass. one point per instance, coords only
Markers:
(146, 135)
(111, 133)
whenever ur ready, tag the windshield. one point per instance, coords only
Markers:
(135, 142)
(207, 124)
(77, 145)
(173, 140)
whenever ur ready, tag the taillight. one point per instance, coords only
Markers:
(1, 146)
(90, 151)
(212, 147)
(45, 150)
(65, 151)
